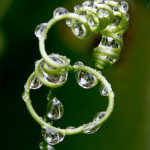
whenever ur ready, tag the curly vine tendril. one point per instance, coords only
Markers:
(108, 17)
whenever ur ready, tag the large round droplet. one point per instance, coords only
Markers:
(56, 110)
(59, 11)
(35, 84)
(99, 116)
(53, 137)
(85, 79)
(78, 29)
(87, 4)
(124, 7)
(103, 90)
(110, 42)
(39, 29)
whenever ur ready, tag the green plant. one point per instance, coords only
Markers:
(108, 17)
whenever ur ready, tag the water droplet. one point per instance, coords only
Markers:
(68, 22)
(99, 116)
(97, 2)
(110, 42)
(116, 20)
(39, 29)
(111, 59)
(35, 84)
(77, 7)
(78, 29)
(87, 4)
(90, 129)
(53, 137)
(124, 7)
(49, 147)
(102, 13)
(127, 17)
(56, 110)
(114, 9)
(103, 90)
(59, 11)
(93, 21)
(78, 63)
(85, 79)
(41, 145)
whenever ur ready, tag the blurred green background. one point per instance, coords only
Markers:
(129, 125)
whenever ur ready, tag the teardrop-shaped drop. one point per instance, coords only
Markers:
(35, 84)
(59, 11)
(39, 29)
(78, 29)
(99, 116)
(103, 90)
(56, 110)
(124, 7)
(85, 79)
(53, 137)
(90, 129)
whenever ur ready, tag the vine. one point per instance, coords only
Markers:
(108, 17)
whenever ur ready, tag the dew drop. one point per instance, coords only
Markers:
(90, 129)
(77, 7)
(124, 7)
(53, 137)
(56, 110)
(99, 116)
(68, 22)
(85, 79)
(103, 90)
(59, 11)
(87, 4)
(78, 63)
(39, 29)
(35, 84)
(110, 42)
(78, 29)
(102, 13)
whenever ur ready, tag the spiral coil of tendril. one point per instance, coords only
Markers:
(108, 17)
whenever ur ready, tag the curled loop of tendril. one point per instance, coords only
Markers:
(108, 17)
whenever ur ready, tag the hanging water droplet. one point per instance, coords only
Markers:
(116, 20)
(39, 29)
(111, 59)
(124, 7)
(53, 137)
(87, 4)
(90, 129)
(93, 21)
(110, 42)
(56, 110)
(35, 84)
(59, 11)
(102, 13)
(78, 29)
(99, 116)
(78, 63)
(103, 90)
(68, 22)
(41, 145)
(85, 79)
(127, 17)
(76, 7)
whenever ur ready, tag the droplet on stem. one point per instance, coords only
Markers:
(124, 7)
(35, 84)
(39, 29)
(59, 11)
(103, 90)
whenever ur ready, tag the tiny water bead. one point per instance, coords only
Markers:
(99, 116)
(39, 29)
(85, 79)
(53, 137)
(110, 42)
(124, 7)
(78, 63)
(35, 84)
(103, 90)
(59, 11)
(78, 29)
(56, 110)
